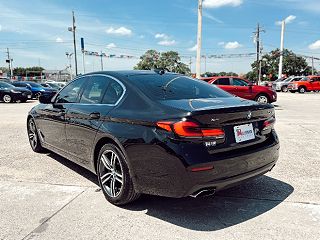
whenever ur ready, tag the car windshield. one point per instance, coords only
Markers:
(6, 85)
(175, 87)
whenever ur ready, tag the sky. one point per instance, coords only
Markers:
(36, 32)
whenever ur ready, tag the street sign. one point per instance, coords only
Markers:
(82, 44)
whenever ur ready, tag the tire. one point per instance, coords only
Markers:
(302, 90)
(262, 98)
(114, 177)
(34, 137)
(284, 89)
(7, 98)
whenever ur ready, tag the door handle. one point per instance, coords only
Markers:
(94, 115)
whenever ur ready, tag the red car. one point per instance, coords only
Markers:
(243, 88)
(306, 84)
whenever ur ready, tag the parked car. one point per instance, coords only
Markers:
(10, 93)
(51, 85)
(198, 138)
(35, 88)
(244, 89)
(282, 85)
(7, 80)
(306, 84)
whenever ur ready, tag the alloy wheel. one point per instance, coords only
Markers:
(32, 133)
(111, 173)
(262, 99)
(7, 98)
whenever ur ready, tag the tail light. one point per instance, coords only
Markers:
(191, 129)
(268, 124)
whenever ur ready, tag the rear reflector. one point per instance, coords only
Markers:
(190, 129)
(199, 169)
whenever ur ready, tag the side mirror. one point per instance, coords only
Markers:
(46, 98)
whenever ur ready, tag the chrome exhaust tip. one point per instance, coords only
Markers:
(203, 192)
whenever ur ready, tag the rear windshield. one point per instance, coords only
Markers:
(175, 87)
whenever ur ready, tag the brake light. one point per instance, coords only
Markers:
(165, 126)
(190, 129)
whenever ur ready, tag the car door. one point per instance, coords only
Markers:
(316, 84)
(224, 84)
(241, 88)
(52, 119)
(84, 118)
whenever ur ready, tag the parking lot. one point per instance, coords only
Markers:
(44, 196)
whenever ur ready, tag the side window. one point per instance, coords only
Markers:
(223, 81)
(71, 92)
(94, 89)
(113, 93)
(239, 82)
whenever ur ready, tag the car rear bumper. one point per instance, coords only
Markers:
(165, 173)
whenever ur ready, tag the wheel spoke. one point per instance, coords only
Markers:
(119, 177)
(113, 187)
(106, 162)
(113, 159)
(106, 177)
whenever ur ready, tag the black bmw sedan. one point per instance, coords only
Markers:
(155, 133)
(10, 93)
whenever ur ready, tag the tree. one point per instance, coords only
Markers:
(292, 65)
(33, 71)
(166, 60)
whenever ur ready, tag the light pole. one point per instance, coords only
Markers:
(73, 30)
(199, 40)
(283, 24)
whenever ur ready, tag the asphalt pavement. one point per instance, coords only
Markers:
(44, 196)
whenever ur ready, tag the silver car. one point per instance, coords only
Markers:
(282, 85)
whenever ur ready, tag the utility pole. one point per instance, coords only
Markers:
(312, 59)
(283, 24)
(73, 30)
(9, 61)
(199, 40)
(190, 63)
(257, 40)
(101, 60)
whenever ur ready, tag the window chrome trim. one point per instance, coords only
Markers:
(104, 75)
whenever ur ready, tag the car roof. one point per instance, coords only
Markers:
(127, 73)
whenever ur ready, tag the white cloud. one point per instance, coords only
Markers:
(232, 45)
(121, 31)
(193, 49)
(141, 36)
(59, 40)
(221, 43)
(167, 42)
(287, 20)
(161, 36)
(315, 45)
(221, 3)
(165, 39)
(0, 28)
(111, 45)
